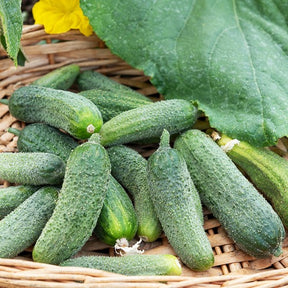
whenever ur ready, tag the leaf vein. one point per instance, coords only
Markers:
(237, 19)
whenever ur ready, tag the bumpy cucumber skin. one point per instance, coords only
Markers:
(40, 137)
(61, 78)
(61, 109)
(113, 102)
(117, 218)
(11, 197)
(32, 168)
(91, 79)
(22, 227)
(242, 211)
(177, 202)
(79, 205)
(267, 170)
(149, 121)
(164, 264)
(130, 169)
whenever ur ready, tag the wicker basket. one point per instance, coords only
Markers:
(232, 268)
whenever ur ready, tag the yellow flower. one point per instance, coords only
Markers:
(59, 16)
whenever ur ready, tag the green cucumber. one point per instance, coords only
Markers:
(149, 121)
(177, 204)
(130, 168)
(21, 228)
(79, 205)
(61, 78)
(40, 137)
(69, 111)
(91, 79)
(4, 101)
(163, 264)
(267, 171)
(113, 102)
(243, 212)
(31, 168)
(11, 197)
(117, 218)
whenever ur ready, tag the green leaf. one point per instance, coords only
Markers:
(228, 56)
(11, 24)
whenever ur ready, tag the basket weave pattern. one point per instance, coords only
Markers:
(232, 268)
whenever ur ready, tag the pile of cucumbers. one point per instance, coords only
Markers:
(77, 174)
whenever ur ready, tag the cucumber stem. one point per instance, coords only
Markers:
(4, 101)
(14, 131)
(165, 139)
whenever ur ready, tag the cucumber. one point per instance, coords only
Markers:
(21, 228)
(11, 197)
(40, 137)
(177, 204)
(113, 102)
(31, 168)
(79, 205)
(267, 171)
(117, 218)
(149, 121)
(130, 168)
(91, 79)
(4, 101)
(164, 264)
(243, 212)
(61, 78)
(69, 111)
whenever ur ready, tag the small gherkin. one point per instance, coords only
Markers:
(22, 227)
(177, 204)
(148, 122)
(41, 137)
(129, 167)
(65, 110)
(32, 168)
(61, 78)
(243, 212)
(11, 197)
(81, 199)
(267, 170)
(162, 264)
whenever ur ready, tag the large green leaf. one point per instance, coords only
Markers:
(228, 56)
(11, 24)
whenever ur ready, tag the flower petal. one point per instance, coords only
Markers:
(59, 16)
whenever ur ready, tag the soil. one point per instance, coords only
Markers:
(26, 7)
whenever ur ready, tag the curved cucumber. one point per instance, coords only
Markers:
(242, 211)
(40, 137)
(177, 204)
(117, 218)
(149, 121)
(11, 197)
(130, 169)
(267, 171)
(61, 78)
(164, 264)
(22, 227)
(32, 168)
(79, 205)
(113, 102)
(69, 111)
